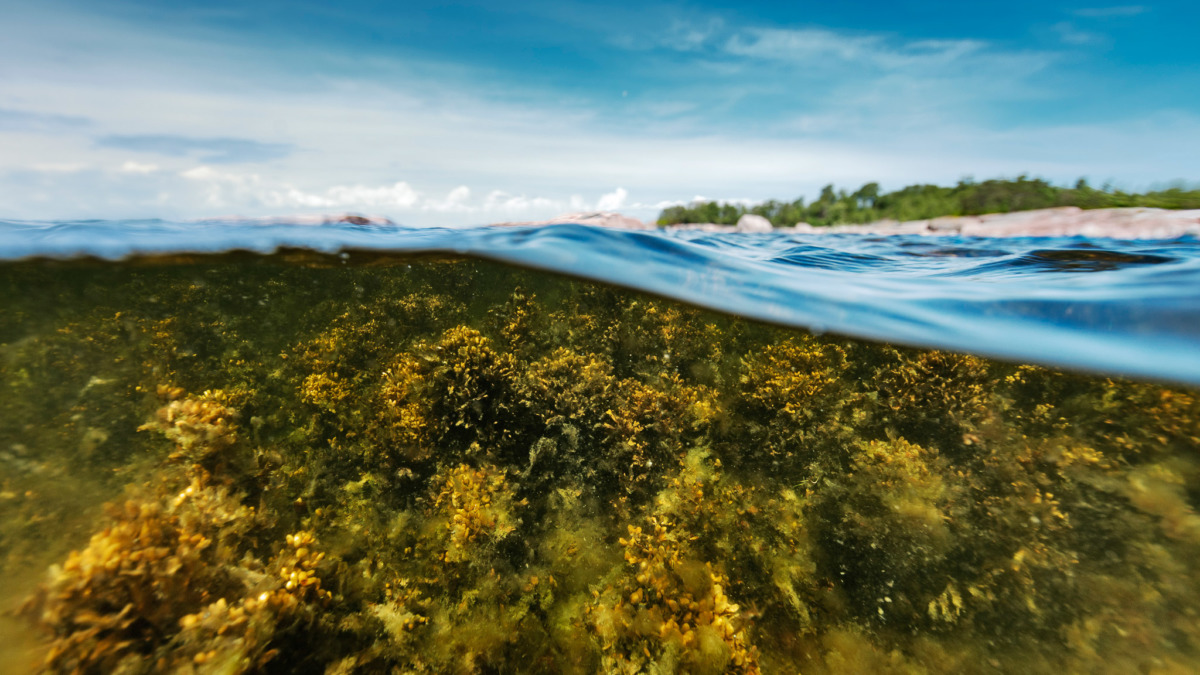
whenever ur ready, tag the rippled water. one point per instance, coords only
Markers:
(247, 448)
(1122, 307)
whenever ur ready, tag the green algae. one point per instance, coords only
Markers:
(302, 463)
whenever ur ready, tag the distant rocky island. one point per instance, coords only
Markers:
(999, 207)
(1119, 223)
(869, 204)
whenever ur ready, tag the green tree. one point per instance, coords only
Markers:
(919, 202)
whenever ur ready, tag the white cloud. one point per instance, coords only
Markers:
(222, 189)
(879, 108)
(399, 195)
(691, 35)
(131, 166)
(612, 201)
(679, 34)
(249, 193)
(809, 46)
(458, 195)
(290, 197)
(664, 170)
(206, 173)
(802, 45)
(228, 189)
(503, 203)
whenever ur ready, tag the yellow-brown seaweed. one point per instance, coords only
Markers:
(451, 466)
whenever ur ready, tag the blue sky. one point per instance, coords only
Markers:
(465, 112)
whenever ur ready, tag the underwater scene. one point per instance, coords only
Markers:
(308, 462)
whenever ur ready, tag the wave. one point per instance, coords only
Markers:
(1129, 308)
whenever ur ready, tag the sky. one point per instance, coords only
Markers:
(455, 113)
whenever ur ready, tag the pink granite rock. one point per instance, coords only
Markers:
(307, 219)
(598, 218)
(1129, 223)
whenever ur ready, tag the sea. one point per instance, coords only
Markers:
(246, 446)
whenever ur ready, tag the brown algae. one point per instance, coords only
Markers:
(300, 464)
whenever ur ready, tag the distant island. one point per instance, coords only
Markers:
(923, 202)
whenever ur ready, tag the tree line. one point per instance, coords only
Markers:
(920, 202)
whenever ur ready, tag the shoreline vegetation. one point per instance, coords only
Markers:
(923, 202)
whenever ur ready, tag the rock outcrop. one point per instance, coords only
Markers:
(307, 219)
(598, 218)
(752, 223)
(1128, 223)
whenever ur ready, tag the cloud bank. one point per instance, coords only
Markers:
(110, 119)
(212, 150)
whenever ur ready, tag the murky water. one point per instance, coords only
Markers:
(371, 463)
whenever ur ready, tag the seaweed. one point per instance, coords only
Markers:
(454, 466)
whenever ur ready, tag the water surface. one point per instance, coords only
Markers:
(1124, 307)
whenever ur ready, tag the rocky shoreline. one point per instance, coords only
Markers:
(1124, 223)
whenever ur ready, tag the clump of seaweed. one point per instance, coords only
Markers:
(339, 365)
(457, 395)
(334, 366)
(112, 604)
(470, 508)
(931, 398)
(1144, 422)
(172, 582)
(572, 394)
(200, 427)
(791, 410)
(756, 534)
(669, 612)
(521, 324)
(244, 635)
(672, 340)
(651, 430)
(404, 424)
(640, 336)
(886, 529)
(569, 387)
(459, 597)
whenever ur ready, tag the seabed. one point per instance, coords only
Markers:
(309, 464)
